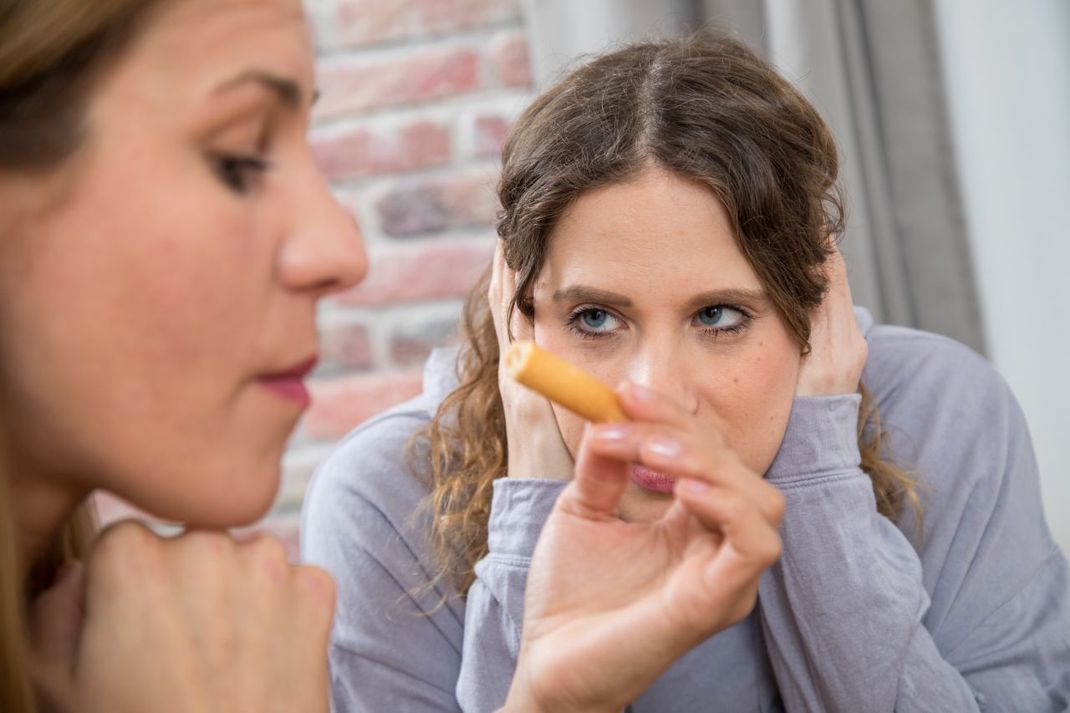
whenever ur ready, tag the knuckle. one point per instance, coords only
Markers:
(204, 544)
(734, 506)
(267, 554)
(862, 349)
(778, 504)
(776, 548)
(744, 606)
(124, 550)
(316, 588)
(123, 539)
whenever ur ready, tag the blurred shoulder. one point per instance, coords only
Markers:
(918, 370)
(374, 479)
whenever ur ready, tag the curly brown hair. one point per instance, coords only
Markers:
(706, 108)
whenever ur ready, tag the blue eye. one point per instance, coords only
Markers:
(593, 322)
(594, 318)
(720, 318)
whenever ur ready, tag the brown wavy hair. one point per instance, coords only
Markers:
(706, 108)
(52, 53)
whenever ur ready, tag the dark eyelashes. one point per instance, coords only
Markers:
(239, 172)
(573, 322)
(744, 321)
(574, 325)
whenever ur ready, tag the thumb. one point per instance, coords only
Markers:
(595, 491)
(56, 618)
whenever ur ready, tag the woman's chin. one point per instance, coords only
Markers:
(642, 505)
(213, 507)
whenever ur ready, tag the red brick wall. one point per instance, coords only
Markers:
(417, 96)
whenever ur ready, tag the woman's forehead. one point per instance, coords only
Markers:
(216, 38)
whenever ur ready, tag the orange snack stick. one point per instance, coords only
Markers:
(562, 383)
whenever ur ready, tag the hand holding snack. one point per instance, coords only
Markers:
(561, 382)
(611, 604)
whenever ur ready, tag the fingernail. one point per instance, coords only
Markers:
(639, 393)
(613, 433)
(697, 487)
(664, 447)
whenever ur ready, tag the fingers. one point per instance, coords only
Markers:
(838, 348)
(683, 454)
(643, 404)
(500, 295)
(839, 307)
(749, 544)
(124, 556)
(735, 515)
(843, 325)
(599, 482)
(56, 618)
(494, 288)
(316, 596)
(836, 272)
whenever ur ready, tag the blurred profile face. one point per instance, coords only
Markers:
(644, 281)
(158, 291)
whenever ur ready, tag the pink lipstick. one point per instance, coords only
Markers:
(290, 384)
(651, 479)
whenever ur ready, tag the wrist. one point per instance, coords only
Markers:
(821, 437)
(538, 456)
(522, 698)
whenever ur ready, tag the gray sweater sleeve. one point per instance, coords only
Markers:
(495, 612)
(854, 618)
(396, 643)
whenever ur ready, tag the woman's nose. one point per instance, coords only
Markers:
(667, 372)
(325, 250)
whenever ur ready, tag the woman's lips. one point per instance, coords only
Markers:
(651, 479)
(290, 384)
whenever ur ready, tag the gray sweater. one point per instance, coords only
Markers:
(861, 614)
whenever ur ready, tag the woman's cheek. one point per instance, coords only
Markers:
(763, 406)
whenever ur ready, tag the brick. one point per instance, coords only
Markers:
(368, 151)
(339, 405)
(352, 86)
(296, 474)
(345, 346)
(454, 15)
(411, 344)
(488, 134)
(362, 23)
(510, 57)
(435, 205)
(429, 270)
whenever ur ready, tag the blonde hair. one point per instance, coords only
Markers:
(706, 108)
(51, 54)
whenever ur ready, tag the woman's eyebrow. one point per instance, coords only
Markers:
(288, 92)
(731, 295)
(583, 293)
